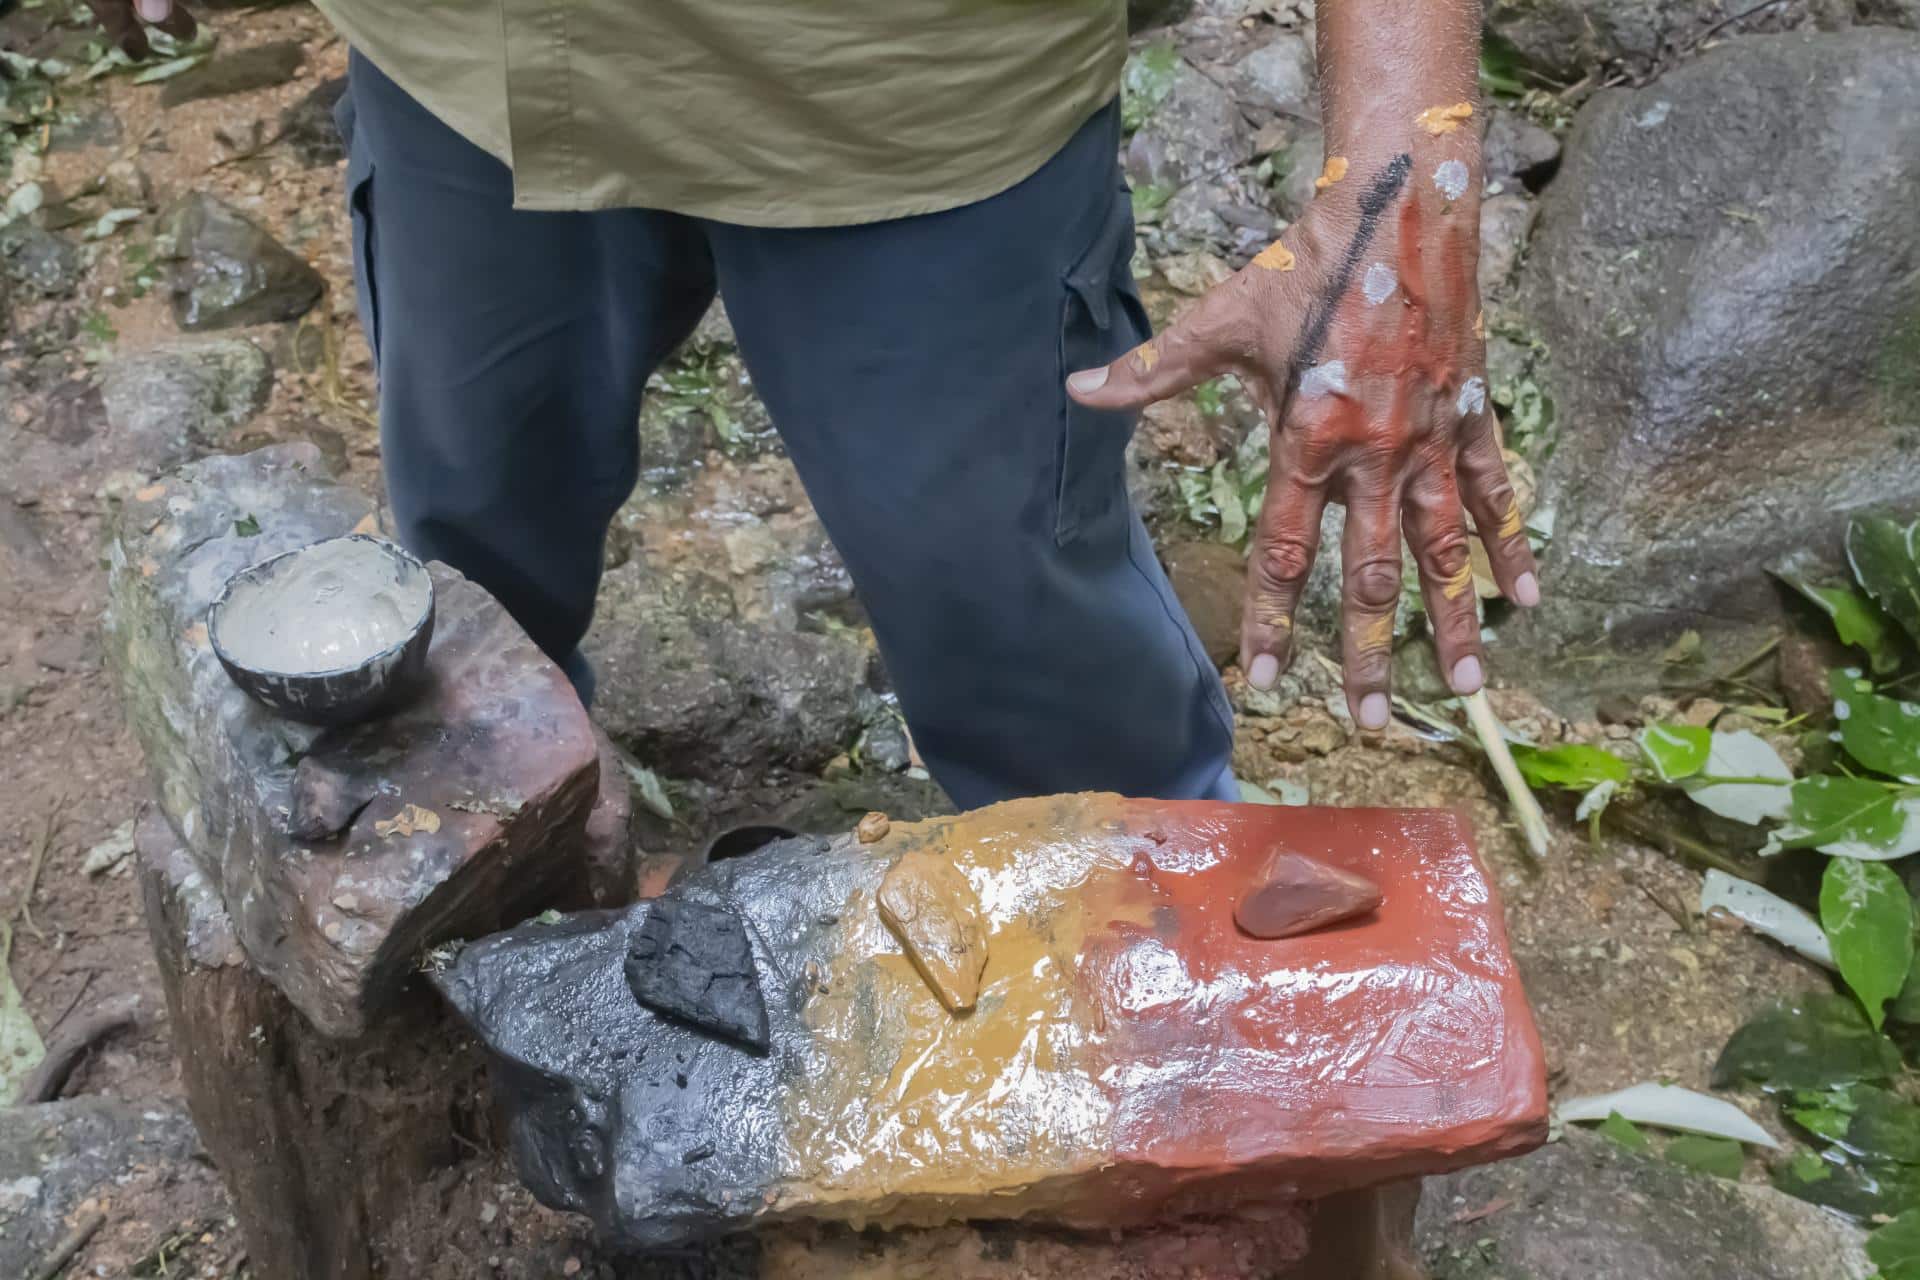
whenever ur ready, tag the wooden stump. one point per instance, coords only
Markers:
(322, 1142)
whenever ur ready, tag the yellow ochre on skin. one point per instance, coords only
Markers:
(1462, 579)
(1379, 633)
(1439, 120)
(1275, 257)
(1513, 521)
(1334, 170)
(1147, 355)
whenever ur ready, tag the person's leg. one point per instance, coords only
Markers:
(915, 370)
(511, 348)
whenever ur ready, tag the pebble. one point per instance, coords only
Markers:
(872, 828)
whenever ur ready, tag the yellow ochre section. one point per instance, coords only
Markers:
(1461, 581)
(1439, 120)
(1334, 170)
(1513, 521)
(1148, 356)
(1007, 1088)
(1275, 257)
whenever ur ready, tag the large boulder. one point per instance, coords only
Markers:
(1584, 1207)
(696, 690)
(1569, 39)
(1132, 1055)
(56, 1156)
(1727, 275)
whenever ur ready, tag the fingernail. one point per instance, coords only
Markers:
(1088, 379)
(154, 10)
(1373, 711)
(1526, 591)
(1467, 676)
(1264, 671)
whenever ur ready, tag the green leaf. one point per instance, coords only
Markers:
(170, 68)
(1861, 1189)
(1857, 817)
(1863, 1119)
(1226, 499)
(1574, 765)
(1721, 1157)
(1856, 619)
(1817, 1041)
(1883, 734)
(1743, 755)
(246, 526)
(1676, 750)
(1869, 920)
(1886, 561)
(1906, 1006)
(1895, 1248)
(1624, 1131)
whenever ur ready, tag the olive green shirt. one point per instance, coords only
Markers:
(764, 112)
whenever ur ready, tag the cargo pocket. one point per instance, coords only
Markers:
(360, 213)
(1101, 318)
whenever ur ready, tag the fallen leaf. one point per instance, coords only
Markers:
(411, 819)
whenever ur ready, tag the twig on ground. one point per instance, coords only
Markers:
(1493, 740)
(23, 909)
(70, 1244)
(44, 1082)
(1687, 849)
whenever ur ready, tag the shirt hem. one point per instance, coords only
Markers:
(625, 193)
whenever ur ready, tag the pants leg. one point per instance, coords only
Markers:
(512, 347)
(915, 370)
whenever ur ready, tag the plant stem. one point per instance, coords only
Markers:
(1486, 727)
(1640, 827)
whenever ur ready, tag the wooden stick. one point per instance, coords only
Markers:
(44, 1082)
(1486, 727)
(73, 1242)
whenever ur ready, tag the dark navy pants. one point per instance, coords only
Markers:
(914, 369)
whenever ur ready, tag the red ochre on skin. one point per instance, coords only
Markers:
(1397, 1044)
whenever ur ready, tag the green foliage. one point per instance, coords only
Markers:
(1146, 82)
(1895, 1247)
(1625, 1132)
(1864, 1189)
(1862, 1119)
(1826, 811)
(1816, 1041)
(1573, 766)
(1886, 559)
(1721, 1157)
(1869, 921)
(1856, 619)
(1676, 751)
(1883, 734)
(1149, 198)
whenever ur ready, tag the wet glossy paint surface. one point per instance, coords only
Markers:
(1132, 1053)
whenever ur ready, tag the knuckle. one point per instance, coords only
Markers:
(1285, 560)
(1446, 553)
(1374, 583)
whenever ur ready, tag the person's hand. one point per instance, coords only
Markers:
(1359, 334)
(126, 22)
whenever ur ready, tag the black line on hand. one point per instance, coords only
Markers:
(1372, 204)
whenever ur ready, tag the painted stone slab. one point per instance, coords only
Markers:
(1132, 1055)
(340, 854)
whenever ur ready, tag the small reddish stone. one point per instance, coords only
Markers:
(1297, 894)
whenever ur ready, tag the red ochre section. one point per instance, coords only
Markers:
(1396, 1044)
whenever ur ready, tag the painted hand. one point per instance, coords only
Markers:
(1359, 333)
(123, 21)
